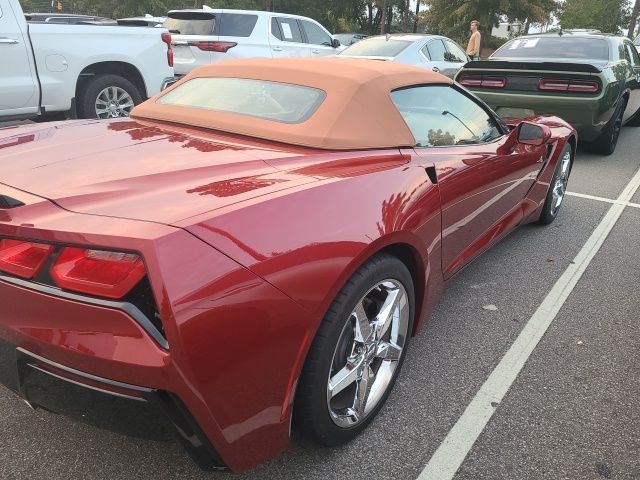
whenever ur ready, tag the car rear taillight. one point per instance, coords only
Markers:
(97, 272)
(221, 47)
(575, 86)
(483, 81)
(166, 38)
(23, 259)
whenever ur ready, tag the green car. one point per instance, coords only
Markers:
(591, 80)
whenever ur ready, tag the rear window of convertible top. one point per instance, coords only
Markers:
(279, 102)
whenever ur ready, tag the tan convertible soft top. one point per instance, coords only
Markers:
(357, 113)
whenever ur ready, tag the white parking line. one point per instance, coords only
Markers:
(603, 199)
(453, 450)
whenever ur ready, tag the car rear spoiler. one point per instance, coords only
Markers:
(532, 65)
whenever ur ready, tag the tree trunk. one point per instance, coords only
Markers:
(415, 20)
(525, 30)
(407, 9)
(634, 19)
(383, 22)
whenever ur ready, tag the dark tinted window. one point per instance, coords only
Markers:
(377, 47)
(315, 34)
(439, 115)
(190, 23)
(289, 30)
(275, 28)
(551, 48)
(436, 50)
(64, 20)
(237, 24)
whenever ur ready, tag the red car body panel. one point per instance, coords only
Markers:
(246, 243)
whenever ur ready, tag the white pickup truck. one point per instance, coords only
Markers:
(84, 71)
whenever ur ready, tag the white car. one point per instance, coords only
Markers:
(434, 52)
(86, 71)
(210, 35)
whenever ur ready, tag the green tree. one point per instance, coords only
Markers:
(605, 15)
(452, 17)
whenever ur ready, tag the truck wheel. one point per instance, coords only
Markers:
(606, 143)
(107, 96)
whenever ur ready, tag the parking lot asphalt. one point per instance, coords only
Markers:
(573, 412)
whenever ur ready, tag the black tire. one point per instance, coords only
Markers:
(635, 120)
(90, 90)
(311, 409)
(608, 140)
(550, 210)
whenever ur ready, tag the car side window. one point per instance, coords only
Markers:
(425, 52)
(289, 30)
(237, 24)
(436, 50)
(315, 34)
(440, 115)
(275, 28)
(455, 52)
(632, 55)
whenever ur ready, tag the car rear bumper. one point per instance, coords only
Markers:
(27, 346)
(588, 115)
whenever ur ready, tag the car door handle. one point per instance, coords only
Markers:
(10, 41)
(435, 69)
(315, 52)
(277, 49)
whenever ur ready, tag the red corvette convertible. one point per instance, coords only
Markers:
(254, 247)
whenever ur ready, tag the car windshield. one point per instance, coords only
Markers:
(376, 47)
(280, 102)
(550, 48)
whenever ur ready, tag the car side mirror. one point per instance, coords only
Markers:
(533, 134)
(335, 43)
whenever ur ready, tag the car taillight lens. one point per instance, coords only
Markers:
(494, 82)
(482, 81)
(166, 38)
(575, 86)
(469, 81)
(97, 272)
(23, 259)
(221, 47)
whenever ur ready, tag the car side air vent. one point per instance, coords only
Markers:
(8, 202)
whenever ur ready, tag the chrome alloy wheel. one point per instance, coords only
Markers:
(368, 353)
(560, 184)
(113, 102)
